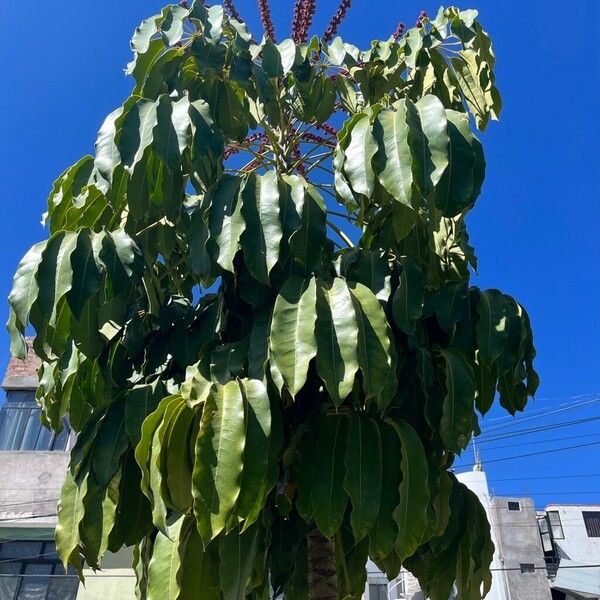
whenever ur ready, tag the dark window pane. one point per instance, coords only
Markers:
(514, 506)
(377, 591)
(21, 428)
(20, 549)
(527, 568)
(592, 522)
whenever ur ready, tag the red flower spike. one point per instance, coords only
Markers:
(265, 16)
(336, 20)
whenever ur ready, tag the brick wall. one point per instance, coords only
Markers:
(22, 373)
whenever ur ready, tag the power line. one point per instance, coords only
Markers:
(574, 476)
(544, 441)
(494, 460)
(545, 414)
(549, 427)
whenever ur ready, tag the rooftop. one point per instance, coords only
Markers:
(22, 374)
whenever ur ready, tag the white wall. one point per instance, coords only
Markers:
(576, 545)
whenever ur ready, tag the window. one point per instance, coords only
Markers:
(32, 571)
(544, 526)
(592, 522)
(527, 568)
(378, 591)
(21, 428)
(555, 525)
(514, 506)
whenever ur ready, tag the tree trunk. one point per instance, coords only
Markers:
(322, 579)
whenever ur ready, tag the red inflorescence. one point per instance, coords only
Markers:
(327, 128)
(265, 16)
(232, 10)
(317, 139)
(304, 11)
(399, 31)
(421, 20)
(336, 20)
(298, 158)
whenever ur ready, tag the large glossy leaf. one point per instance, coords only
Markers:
(329, 497)
(70, 515)
(394, 160)
(254, 482)
(363, 479)
(337, 338)
(374, 345)
(411, 513)
(219, 460)
(261, 238)
(293, 341)
(165, 564)
(457, 415)
(359, 154)
(237, 551)
(407, 304)
(225, 221)
(384, 534)
(492, 326)
(24, 291)
(137, 132)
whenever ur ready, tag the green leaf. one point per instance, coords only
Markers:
(411, 513)
(70, 515)
(393, 161)
(171, 133)
(263, 232)
(219, 460)
(137, 132)
(144, 32)
(140, 402)
(107, 152)
(25, 289)
(199, 568)
(308, 240)
(293, 342)
(374, 343)
(363, 478)
(384, 534)
(337, 338)
(165, 565)
(253, 483)
(225, 221)
(407, 304)
(492, 326)
(172, 25)
(454, 192)
(111, 443)
(176, 460)
(100, 506)
(457, 416)
(237, 551)
(87, 270)
(428, 141)
(329, 498)
(358, 158)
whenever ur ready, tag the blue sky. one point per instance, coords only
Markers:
(535, 227)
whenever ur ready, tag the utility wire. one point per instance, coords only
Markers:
(495, 460)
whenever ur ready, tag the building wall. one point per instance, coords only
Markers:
(30, 485)
(576, 545)
(519, 544)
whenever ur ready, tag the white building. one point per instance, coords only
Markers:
(571, 539)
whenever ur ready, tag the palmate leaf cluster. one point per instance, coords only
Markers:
(235, 372)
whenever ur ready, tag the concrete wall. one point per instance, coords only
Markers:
(519, 543)
(30, 484)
